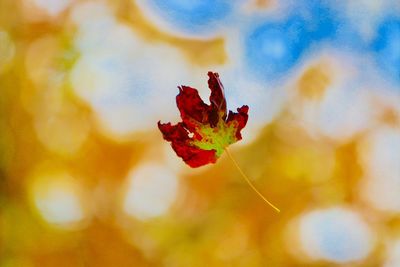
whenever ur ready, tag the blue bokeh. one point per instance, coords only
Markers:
(272, 49)
(193, 16)
(320, 20)
(386, 46)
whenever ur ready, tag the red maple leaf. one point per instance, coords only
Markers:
(205, 130)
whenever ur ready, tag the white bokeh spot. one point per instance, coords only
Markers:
(56, 197)
(122, 78)
(151, 191)
(336, 234)
(380, 158)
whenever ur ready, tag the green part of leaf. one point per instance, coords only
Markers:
(216, 138)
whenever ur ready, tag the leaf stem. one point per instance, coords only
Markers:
(248, 180)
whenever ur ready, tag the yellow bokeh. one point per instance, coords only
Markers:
(86, 178)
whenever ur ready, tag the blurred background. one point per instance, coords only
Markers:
(87, 180)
